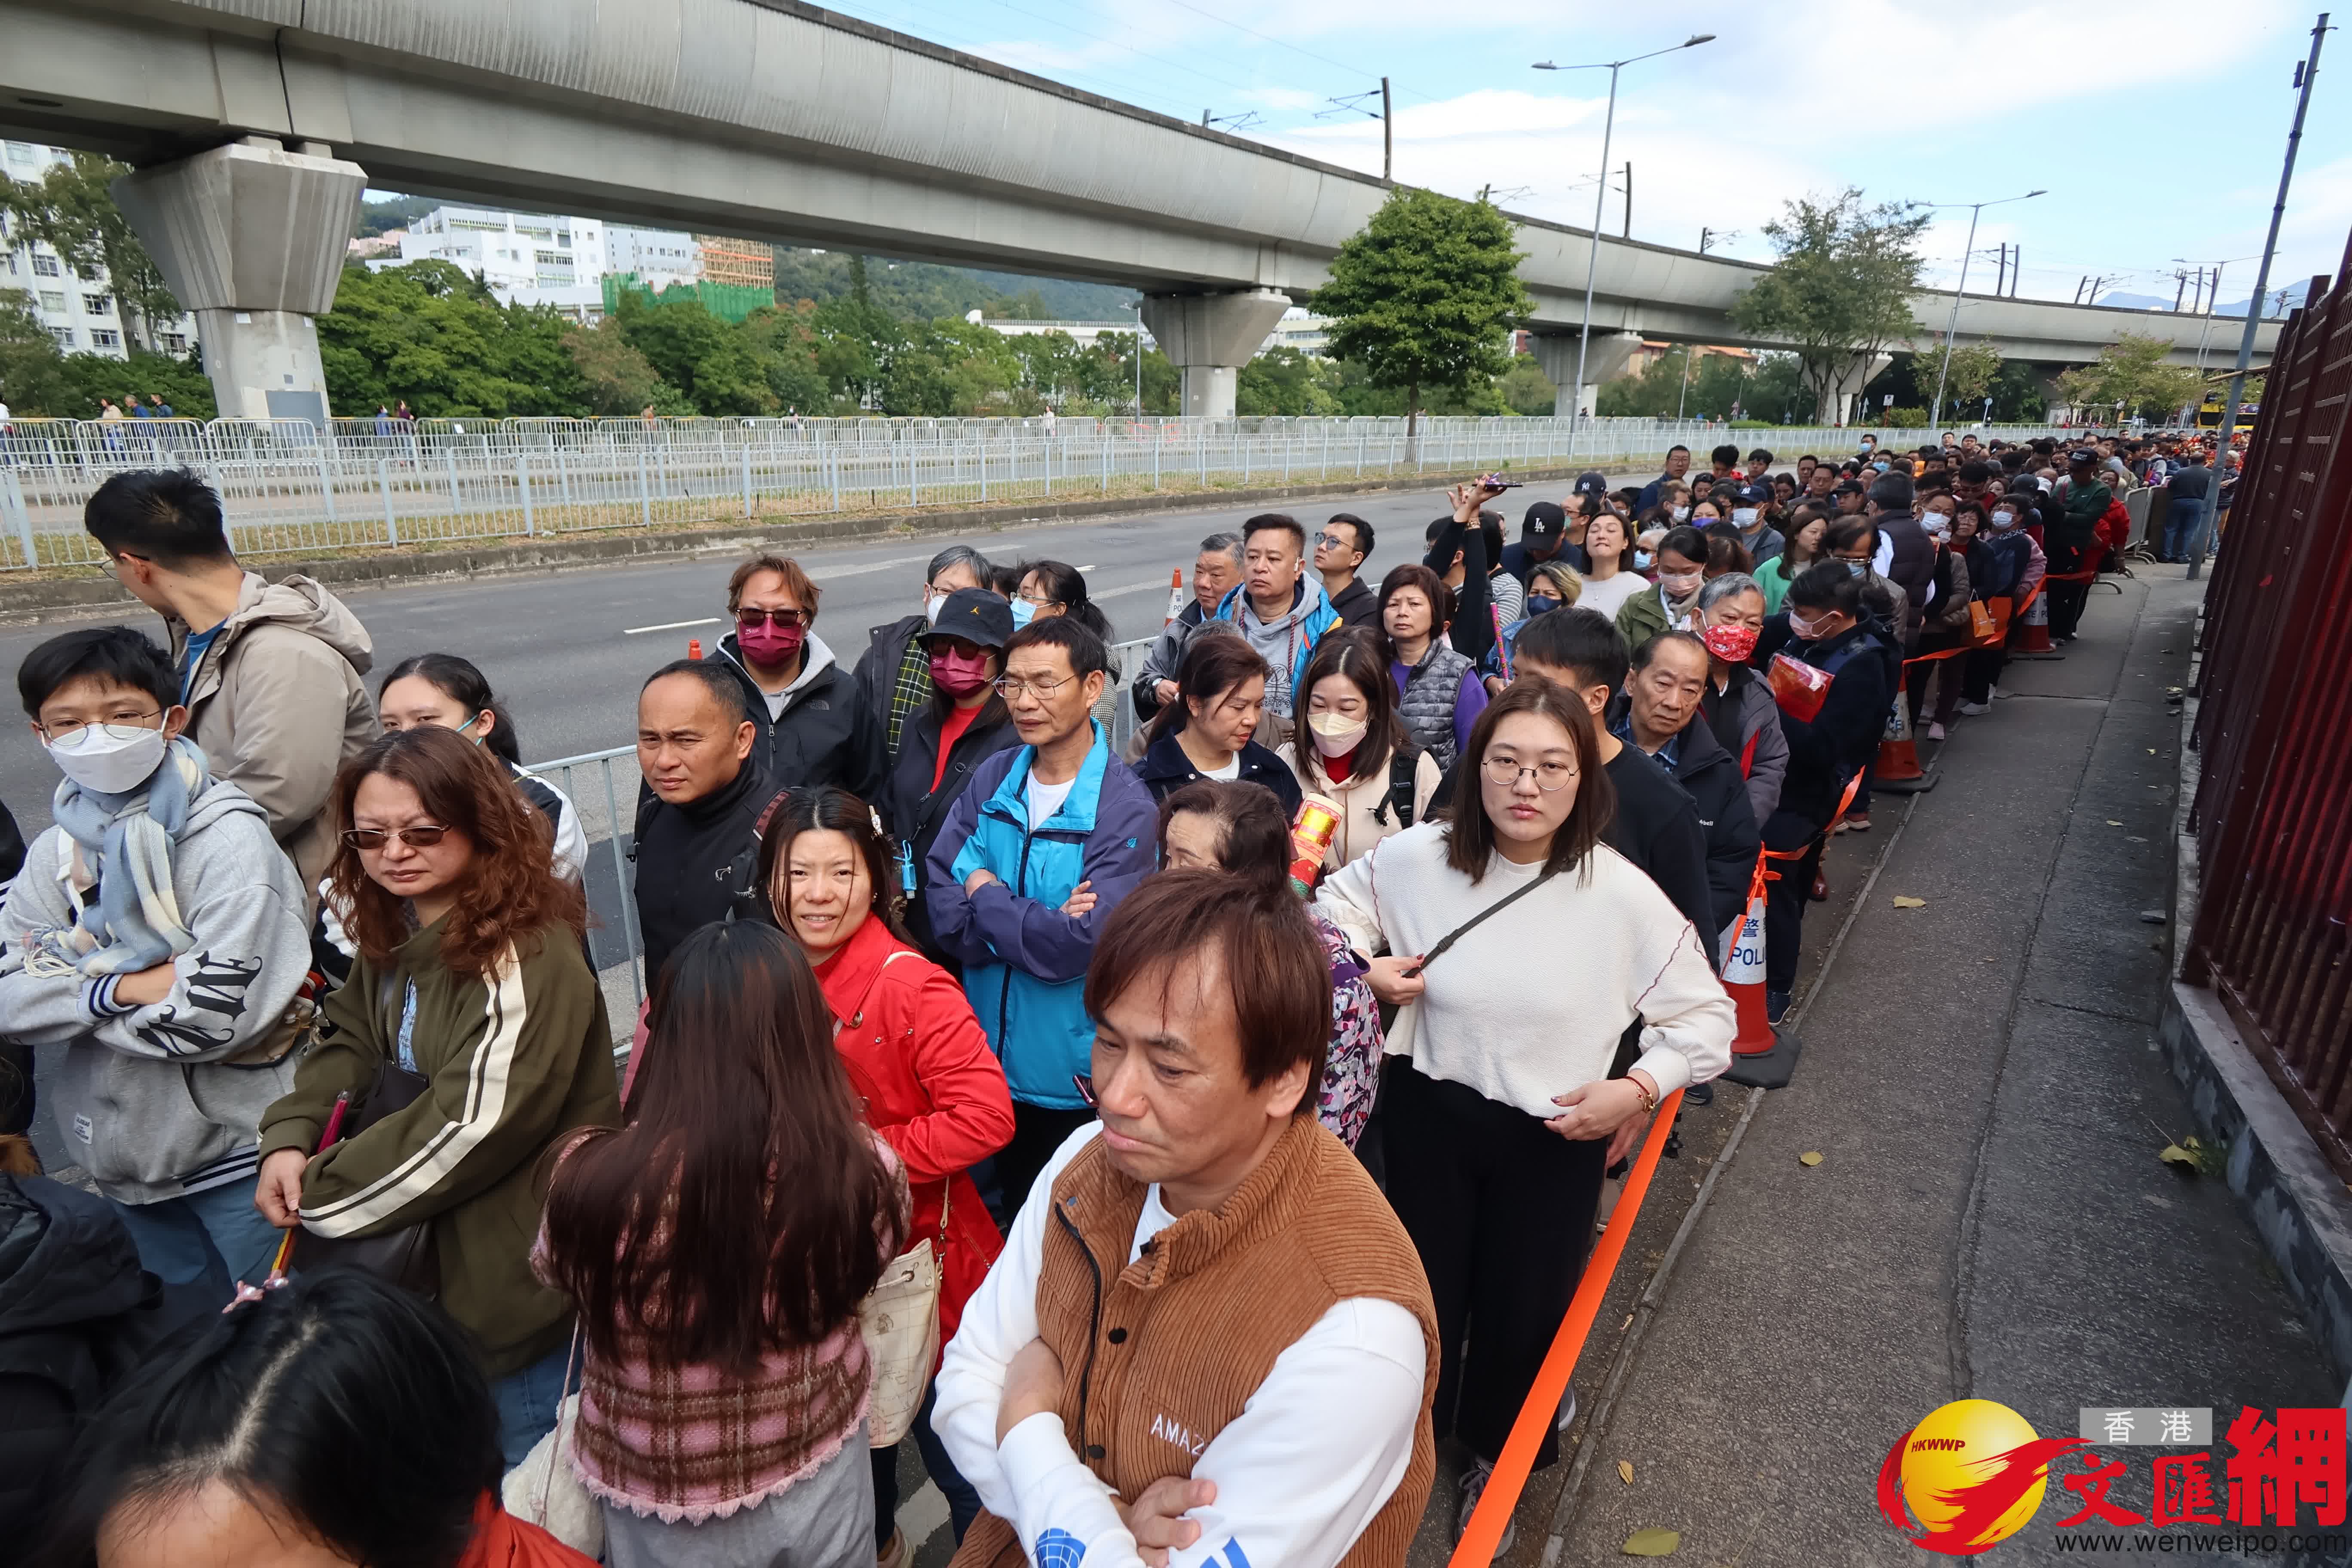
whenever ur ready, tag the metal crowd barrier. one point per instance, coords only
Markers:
(292, 488)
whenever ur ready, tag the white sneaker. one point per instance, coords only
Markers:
(1973, 709)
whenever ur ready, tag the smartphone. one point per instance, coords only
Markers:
(1497, 482)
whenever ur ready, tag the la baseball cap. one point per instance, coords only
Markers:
(1545, 521)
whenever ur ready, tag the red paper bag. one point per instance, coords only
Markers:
(1797, 687)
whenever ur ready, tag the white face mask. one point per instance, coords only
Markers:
(111, 759)
(1745, 516)
(933, 604)
(1335, 734)
(1681, 514)
(2004, 520)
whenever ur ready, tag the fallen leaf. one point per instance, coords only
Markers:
(1902, 902)
(2113, 823)
(1651, 1543)
(1629, 1317)
(1625, 1471)
(1810, 1157)
(2173, 1153)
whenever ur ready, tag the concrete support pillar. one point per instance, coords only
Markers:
(1604, 361)
(1838, 408)
(1210, 337)
(251, 237)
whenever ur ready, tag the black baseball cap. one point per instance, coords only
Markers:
(1591, 483)
(977, 616)
(1545, 521)
(1754, 495)
(2082, 455)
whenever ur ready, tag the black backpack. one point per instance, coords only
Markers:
(1402, 764)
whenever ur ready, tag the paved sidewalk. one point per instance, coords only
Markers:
(1990, 1218)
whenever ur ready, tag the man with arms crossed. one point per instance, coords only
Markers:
(1209, 1338)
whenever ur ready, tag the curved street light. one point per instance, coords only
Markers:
(1601, 194)
(1951, 325)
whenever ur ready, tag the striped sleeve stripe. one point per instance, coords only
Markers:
(431, 1164)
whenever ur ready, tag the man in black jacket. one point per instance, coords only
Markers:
(699, 811)
(1659, 715)
(811, 727)
(1216, 572)
(1343, 546)
(1826, 627)
(1912, 566)
(894, 673)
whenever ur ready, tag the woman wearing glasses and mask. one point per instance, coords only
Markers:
(812, 730)
(1506, 1107)
(471, 998)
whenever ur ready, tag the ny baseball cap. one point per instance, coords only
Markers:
(1592, 484)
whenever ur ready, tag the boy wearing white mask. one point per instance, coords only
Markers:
(156, 935)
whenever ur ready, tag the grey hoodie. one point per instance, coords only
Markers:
(277, 706)
(168, 1098)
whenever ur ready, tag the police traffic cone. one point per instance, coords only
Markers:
(694, 648)
(1175, 596)
(1897, 768)
(2034, 643)
(1743, 977)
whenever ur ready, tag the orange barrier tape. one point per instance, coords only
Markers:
(1476, 1548)
(2014, 616)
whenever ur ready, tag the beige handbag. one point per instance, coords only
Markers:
(900, 1321)
(545, 1491)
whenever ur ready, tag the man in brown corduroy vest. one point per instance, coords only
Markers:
(1208, 1333)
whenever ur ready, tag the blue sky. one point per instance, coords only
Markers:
(2156, 132)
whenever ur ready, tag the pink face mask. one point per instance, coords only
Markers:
(959, 674)
(768, 644)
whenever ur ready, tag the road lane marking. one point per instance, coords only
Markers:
(1130, 588)
(669, 626)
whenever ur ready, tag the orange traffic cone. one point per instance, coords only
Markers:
(1743, 977)
(1175, 596)
(1897, 768)
(2034, 641)
(694, 648)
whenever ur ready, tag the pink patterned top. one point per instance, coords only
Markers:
(689, 1443)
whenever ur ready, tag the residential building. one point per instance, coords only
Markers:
(78, 310)
(509, 251)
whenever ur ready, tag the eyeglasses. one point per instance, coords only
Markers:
(424, 835)
(1335, 541)
(57, 734)
(1011, 688)
(785, 618)
(1551, 777)
(1039, 601)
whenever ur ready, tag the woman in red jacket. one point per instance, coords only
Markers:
(915, 1056)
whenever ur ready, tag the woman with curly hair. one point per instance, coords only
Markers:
(471, 1036)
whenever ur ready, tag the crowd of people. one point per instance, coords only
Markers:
(1193, 1098)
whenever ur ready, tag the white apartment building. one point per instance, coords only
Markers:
(79, 312)
(530, 258)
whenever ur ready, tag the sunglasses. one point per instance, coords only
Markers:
(422, 837)
(786, 618)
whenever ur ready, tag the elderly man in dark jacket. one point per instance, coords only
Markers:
(1659, 714)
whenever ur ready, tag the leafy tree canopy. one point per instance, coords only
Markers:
(1840, 292)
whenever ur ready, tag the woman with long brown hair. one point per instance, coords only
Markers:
(916, 1059)
(1501, 1108)
(1206, 732)
(471, 1034)
(718, 1247)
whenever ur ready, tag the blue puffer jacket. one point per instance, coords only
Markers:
(1025, 962)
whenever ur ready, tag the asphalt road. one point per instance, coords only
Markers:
(567, 650)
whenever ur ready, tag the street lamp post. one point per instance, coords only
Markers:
(1976, 210)
(1600, 196)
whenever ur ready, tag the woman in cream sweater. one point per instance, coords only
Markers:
(1540, 944)
(1352, 750)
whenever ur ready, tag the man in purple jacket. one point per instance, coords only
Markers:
(1037, 852)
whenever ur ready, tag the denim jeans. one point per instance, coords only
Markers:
(527, 1402)
(213, 1238)
(963, 1501)
(2181, 520)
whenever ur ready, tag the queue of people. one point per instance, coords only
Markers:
(1196, 1098)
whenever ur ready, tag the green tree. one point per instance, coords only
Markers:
(1840, 292)
(31, 379)
(2131, 371)
(710, 362)
(178, 380)
(1526, 389)
(783, 341)
(1287, 381)
(430, 332)
(73, 209)
(615, 379)
(1425, 296)
(2019, 396)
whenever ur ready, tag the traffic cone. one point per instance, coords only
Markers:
(2034, 641)
(1743, 977)
(694, 648)
(1897, 768)
(1175, 596)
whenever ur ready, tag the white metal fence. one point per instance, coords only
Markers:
(603, 790)
(292, 487)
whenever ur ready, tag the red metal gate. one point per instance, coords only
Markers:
(2273, 809)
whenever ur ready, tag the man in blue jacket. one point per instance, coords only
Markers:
(1036, 855)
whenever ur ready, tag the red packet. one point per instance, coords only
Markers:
(1797, 687)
